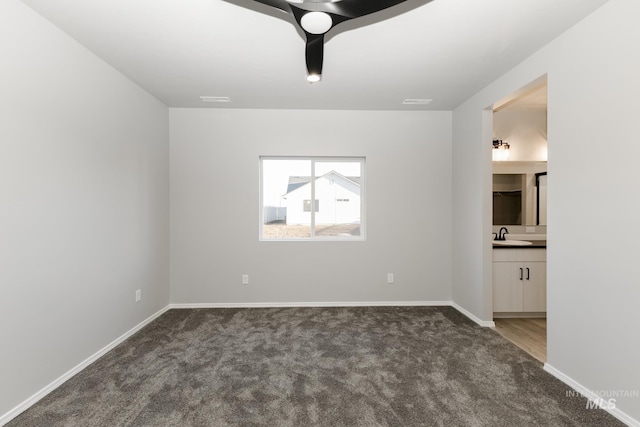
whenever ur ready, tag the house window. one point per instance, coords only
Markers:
(292, 189)
(306, 205)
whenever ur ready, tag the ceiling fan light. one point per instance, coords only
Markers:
(316, 22)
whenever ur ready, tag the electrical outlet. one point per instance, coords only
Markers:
(245, 279)
(138, 295)
(389, 278)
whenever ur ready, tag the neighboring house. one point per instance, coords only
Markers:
(337, 199)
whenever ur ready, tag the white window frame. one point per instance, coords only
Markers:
(314, 160)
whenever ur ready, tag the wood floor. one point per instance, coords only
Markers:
(528, 334)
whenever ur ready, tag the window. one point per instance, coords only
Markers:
(312, 198)
(306, 205)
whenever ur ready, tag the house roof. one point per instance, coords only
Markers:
(296, 182)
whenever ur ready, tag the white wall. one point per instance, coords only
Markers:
(593, 286)
(214, 207)
(525, 129)
(83, 204)
(472, 211)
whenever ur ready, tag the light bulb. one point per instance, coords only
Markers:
(316, 22)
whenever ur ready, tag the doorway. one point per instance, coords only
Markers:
(519, 218)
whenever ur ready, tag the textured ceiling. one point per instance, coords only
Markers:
(445, 50)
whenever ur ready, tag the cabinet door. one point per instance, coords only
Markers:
(507, 287)
(535, 286)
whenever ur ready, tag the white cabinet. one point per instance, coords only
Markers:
(519, 280)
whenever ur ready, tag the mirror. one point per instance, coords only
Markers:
(507, 199)
(520, 193)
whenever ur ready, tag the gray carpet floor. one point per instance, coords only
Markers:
(364, 366)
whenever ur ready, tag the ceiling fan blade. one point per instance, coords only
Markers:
(356, 8)
(283, 5)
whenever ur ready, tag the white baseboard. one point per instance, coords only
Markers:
(483, 323)
(5, 418)
(594, 397)
(312, 304)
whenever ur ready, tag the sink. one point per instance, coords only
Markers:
(512, 242)
(526, 236)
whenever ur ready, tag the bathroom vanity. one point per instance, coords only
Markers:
(520, 279)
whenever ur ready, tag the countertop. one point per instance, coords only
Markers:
(535, 244)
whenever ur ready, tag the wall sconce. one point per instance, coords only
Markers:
(500, 150)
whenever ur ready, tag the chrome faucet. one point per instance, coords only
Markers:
(501, 235)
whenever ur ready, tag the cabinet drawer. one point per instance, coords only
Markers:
(509, 255)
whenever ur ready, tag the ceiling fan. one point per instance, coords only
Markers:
(316, 18)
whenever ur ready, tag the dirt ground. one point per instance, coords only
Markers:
(279, 230)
